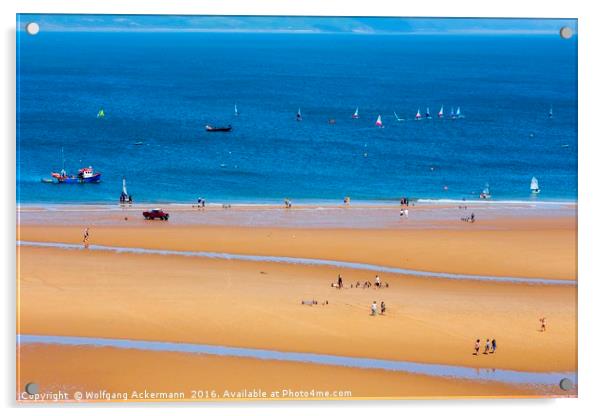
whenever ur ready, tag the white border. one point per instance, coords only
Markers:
(590, 136)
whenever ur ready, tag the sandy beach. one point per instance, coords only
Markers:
(95, 293)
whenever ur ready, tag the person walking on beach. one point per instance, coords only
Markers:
(377, 281)
(373, 308)
(493, 345)
(477, 346)
(487, 347)
(86, 237)
(340, 281)
(542, 321)
(382, 307)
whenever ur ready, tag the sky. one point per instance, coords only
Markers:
(284, 24)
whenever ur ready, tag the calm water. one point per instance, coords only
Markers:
(162, 88)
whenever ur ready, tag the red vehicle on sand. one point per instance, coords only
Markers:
(156, 213)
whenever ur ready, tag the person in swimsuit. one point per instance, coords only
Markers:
(493, 345)
(382, 307)
(487, 346)
(86, 237)
(543, 324)
(477, 346)
(340, 282)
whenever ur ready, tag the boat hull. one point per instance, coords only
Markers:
(74, 180)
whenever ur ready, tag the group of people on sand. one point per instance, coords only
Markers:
(374, 308)
(365, 285)
(470, 218)
(288, 203)
(490, 346)
(200, 202)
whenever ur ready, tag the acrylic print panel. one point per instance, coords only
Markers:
(224, 208)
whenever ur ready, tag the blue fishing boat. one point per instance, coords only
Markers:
(84, 175)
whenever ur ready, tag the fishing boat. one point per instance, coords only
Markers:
(299, 118)
(356, 115)
(427, 114)
(235, 111)
(534, 185)
(397, 117)
(218, 129)
(440, 113)
(84, 175)
(418, 115)
(379, 122)
(485, 194)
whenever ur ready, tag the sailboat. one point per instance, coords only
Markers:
(551, 113)
(428, 113)
(458, 114)
(440, 113)
(418, 115)
(534, 185)
(452, 113)
(124, 197)
(299, 118)
(235, 110)
(397, 117)
(485, 194)
(356, 114)
(101, 113)
(379, 122)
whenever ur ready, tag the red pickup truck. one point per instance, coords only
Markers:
(155, 213)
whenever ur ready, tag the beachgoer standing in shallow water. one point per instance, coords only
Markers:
(477, 346)
(493, 345)
(383, 308)
(542, 321)
(340, 281)
(86, 236)
(373, 308)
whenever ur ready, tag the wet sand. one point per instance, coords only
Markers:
(113, 371)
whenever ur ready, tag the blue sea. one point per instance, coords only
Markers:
(163, 88)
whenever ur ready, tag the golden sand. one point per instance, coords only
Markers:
(258, 305)
(112, 373)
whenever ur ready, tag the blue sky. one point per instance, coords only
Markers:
(359, 25)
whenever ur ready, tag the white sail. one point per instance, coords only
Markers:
(124, 190)
(440, 114)
(534, 184)
(235, 110)
(357, 113)
(458, 111)
(418, 115)
(379, 121)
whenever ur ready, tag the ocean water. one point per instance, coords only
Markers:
(162, 88)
